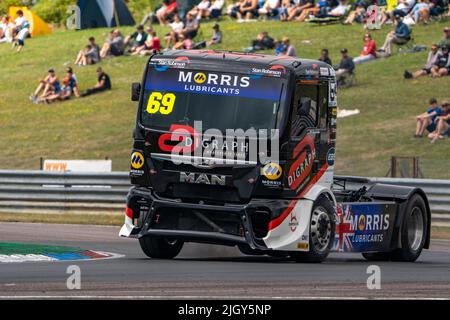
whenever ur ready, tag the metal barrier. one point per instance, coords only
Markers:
(40, 191)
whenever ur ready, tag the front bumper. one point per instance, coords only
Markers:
(227, 224)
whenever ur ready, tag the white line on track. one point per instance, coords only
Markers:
(85, 297)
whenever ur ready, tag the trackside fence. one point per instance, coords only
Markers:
(49, 192)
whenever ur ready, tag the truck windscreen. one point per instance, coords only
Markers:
(220, 100)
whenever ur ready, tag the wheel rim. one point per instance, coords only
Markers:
(320, 229)
(415, 228)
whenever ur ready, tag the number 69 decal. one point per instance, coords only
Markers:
(162, 103)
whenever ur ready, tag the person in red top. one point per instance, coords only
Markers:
(152, 45)
(369, 50)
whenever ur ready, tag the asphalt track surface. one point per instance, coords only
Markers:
(208, 272)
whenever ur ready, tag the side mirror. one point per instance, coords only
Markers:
(135, 91)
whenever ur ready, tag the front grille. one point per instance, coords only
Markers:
(169, 165)
(215, 194)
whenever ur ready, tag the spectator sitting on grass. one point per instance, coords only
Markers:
(420, 12)
(359, 14)
(247, 11)
(191, 27)
(270, 8)
(177, 26)
(6, 30)
(427, 120)
(114, 45)
(167, 10)
(73, 82)
(441, 66)
(216, 36)
(436, 7)
(431, 60)
(103, 83)
(401, 35)
(369, 50)
(445, 42)
(199, 11)
(325, 57)
(442, 124)
(262, 42)
(321, 7)
(183, 43)
(339, 11)
(289, 48)
(234, 8)
(89, 55)
(64, 94)
(136, 39)
(298, 8)
(21, 30)
(346, 66)
(47, 86)
(215, 10)
(151, 45)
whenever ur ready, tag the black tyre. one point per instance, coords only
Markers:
(321, 235)
(413, 231)
(160, 248)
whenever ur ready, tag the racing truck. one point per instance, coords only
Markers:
(196, 178)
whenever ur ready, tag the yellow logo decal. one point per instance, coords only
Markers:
(272, 171)
(200, 77)
(361, 223)
(137, 160)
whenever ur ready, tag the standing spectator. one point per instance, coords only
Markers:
(345, 67)
(325, 56)
(441, 66)
(401, 35)
(431, 60)
(103, 83)
(426, 120)
(289, 48)
(136, 39)
(114, 45)
(369, 51)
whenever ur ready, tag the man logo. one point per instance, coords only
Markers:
(137, 160)
(272, 171)
(200, 77)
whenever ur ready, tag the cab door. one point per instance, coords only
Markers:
(308, 134)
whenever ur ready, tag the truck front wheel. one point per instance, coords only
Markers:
(160, 248)
(321, 234)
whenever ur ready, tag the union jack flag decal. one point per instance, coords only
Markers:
(344, 232)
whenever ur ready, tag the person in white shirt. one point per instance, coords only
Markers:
(270, 8)
(200, 10)
(177, 27)
(22, 30)
(215, 10)
(6, 30)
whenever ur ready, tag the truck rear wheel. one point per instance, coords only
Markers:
(160, 248)
(413, 234)
(414, 231)
(321, 234)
